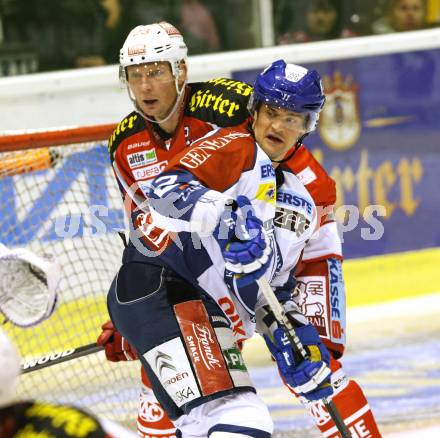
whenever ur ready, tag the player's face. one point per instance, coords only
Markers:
(277, 130)
(153, 87)
(408, 15)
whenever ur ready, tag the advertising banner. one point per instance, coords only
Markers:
(379, 139)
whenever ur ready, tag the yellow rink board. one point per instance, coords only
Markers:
(368, 281)
(389, 277)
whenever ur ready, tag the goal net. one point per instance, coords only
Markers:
(58, 196)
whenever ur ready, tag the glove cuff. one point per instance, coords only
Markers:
(308, 335)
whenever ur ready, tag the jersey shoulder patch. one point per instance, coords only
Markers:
(313, 176)
(221, 101)
(130, 125)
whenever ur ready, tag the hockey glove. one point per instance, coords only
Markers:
(248, 251)
(116, 347)
(309, 378)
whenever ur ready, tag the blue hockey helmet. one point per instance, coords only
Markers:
(291, 87)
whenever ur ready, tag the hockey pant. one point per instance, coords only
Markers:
(188, 351)
(321, 289)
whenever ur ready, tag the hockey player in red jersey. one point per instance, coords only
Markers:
(167, 305)
(169, 115)
(219, 102)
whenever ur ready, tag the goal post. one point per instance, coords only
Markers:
(58, 196)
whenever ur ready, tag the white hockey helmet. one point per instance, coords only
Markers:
(153, 43)
(9, 370)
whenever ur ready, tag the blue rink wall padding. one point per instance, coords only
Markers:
(396, 155)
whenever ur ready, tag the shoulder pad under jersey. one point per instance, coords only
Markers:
(313, 176)
(130, 125)
(222, 102)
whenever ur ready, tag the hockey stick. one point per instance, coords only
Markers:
(298, 348)
(59, 357)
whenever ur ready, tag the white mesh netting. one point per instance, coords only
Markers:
(64, 201)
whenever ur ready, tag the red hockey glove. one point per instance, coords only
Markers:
(117, 348)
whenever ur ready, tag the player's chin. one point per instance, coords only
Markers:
(152, 113)
(274, 147)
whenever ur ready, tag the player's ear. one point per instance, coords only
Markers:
(254, 118)
(182, 72)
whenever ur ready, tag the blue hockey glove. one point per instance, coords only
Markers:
(309, 378)
(249, 251)
(246, 250)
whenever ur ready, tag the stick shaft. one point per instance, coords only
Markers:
(298, 348)
(58, 357)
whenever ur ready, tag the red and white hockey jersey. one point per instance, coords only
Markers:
(191, 194)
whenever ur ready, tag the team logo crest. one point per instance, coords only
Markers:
(339, 122)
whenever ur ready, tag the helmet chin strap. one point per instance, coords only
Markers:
(173, 109)
(297, 145)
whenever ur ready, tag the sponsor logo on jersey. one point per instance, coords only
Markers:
(176, 378)
(227, 305)
(150, 412)
(311, 297)
(337, 301)
(170, 363)
(306, 176)
(138, 145)
(127, 123)
(234, 359)
(221, 96)
(202, 346)
(51, 420)
(205, 99)
(197, 155)
(184, 395)
(214, 99)
(288, 197)
(149, 172)
(291, 220)
(238, 87)
(139, 159)
(266, 192)
(267, 170)
(162, 362)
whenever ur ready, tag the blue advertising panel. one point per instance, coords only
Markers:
(379, 138)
